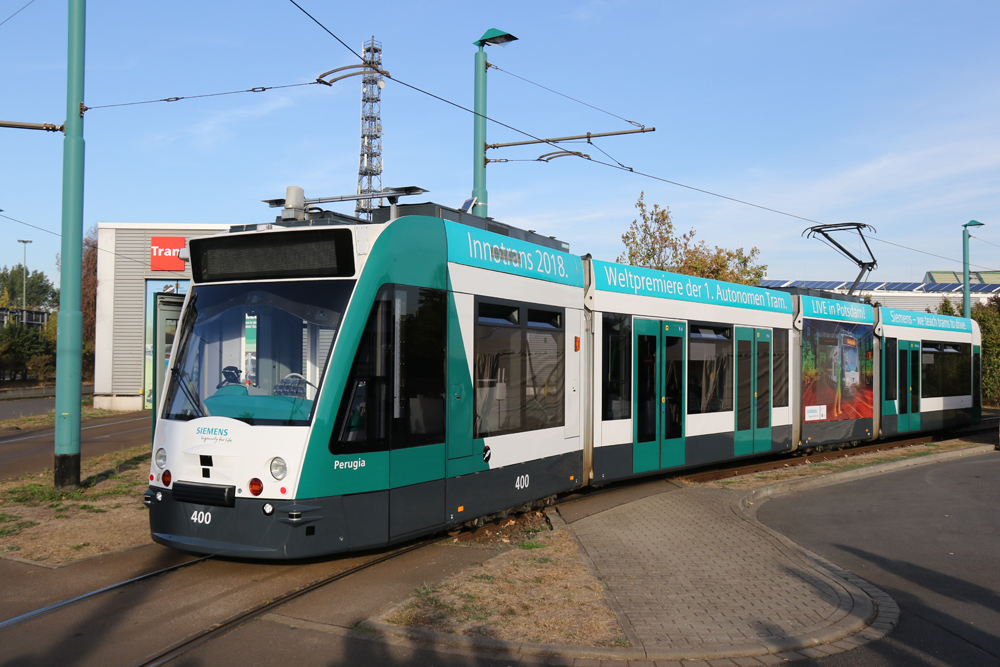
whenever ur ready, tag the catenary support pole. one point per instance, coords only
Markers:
(479, 137)
(966, 296)
(69, 342)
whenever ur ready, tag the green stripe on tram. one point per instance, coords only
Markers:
(410, 251)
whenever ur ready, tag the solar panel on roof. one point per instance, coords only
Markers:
(870, 286)
(987, 288)
(833, 284)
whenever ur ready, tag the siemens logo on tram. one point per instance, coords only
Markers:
(202, 430)
(353, 465)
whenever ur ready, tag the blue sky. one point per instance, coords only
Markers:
(878, 112)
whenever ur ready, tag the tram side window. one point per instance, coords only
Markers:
(946, 369)
(710, 369)
(616, 367)
(395, 393)
(519, 368)
(420, 320)
(890, 369)
(780, 368)
(362, 421)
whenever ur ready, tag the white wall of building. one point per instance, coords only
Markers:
(124, 264)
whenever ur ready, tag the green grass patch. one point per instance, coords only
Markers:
(483, 577)
(544, 559)
(10, 527)
(37, 492)
(618, 642)
(531, 545)
(92, 509)
(77, 547)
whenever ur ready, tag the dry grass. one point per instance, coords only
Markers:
(106, 514)
(48, 419)
(540, 591)
(847, 462)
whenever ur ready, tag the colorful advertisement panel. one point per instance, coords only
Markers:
(837, 378)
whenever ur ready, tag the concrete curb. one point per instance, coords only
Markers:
(872, 615)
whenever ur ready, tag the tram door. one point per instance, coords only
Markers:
(658, 412)
(753, 391)
(908, 394)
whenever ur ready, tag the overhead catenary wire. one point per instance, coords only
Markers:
(258, 89)
(924, 252)
(110, 252)
(605, 111)
(16, 13)
(982, 240)
(606, 164)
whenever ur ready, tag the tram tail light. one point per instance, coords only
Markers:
(576, 344)
(256, 486)
(165, 478)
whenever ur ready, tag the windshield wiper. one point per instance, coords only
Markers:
(190, 394)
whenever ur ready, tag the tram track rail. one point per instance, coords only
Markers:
(806, 457)
(56, 606)
(220, 629)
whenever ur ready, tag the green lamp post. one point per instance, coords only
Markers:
(497, 38)
(966, 305)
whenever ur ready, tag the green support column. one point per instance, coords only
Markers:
(499, 38)
(479, 137)
(966, 304)
(69, 342)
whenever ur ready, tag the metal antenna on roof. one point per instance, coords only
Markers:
(859, 227)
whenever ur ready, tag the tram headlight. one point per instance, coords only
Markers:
(160, 458)
(278, 468)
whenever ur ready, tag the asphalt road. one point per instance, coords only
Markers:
(929, 537)
(32, 451)
(26, 407)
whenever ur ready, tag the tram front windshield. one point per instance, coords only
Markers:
(255, 351)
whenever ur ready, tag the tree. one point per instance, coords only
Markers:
(987, 315)
(88, 289)
(946, 307)
(18, 346)
(652, 242)
(41, 293)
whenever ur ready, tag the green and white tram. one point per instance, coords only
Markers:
(338, 385)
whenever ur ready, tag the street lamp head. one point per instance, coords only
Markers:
(973, 223)
(495, 37)
(23, 241)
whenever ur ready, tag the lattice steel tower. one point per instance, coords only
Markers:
(370, 162)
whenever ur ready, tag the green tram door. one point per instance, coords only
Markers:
(658, 412)
(166, 313)
(753, 391)
(908, 393)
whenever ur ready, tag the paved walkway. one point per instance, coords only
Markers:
(690, 574)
